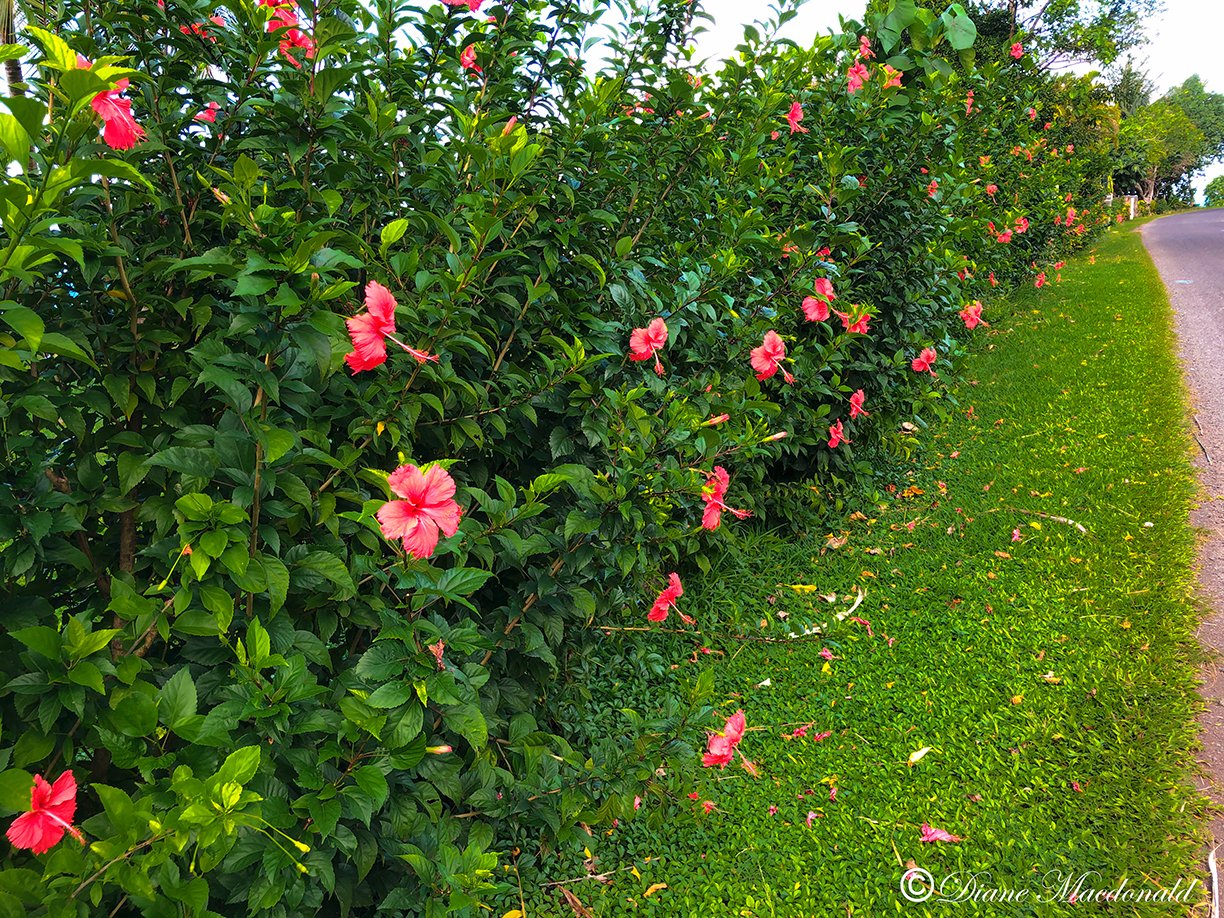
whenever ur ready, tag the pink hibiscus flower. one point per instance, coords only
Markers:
(371, 330)
(794, 116)
(468, 59)
(713, 493)
(720, 748)
(52, 807)
(991, 189)
(856, 405)
(1017, 51)
(428, 507)
(865, 48)
(924, 361)
(767, 359)
(930, 834)
(856, 76)
(472, 5)
(972, 315)
(645, 343)
(816, 308)
(666, 600)
(893, 75)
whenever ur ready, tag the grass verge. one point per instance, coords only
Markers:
(1050, 671)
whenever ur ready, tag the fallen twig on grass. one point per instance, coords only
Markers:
(1050, 516)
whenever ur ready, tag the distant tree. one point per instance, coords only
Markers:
(1062, 31)
(1157, 146)
(1072, 31)
(1131, 88)
(1206, 110)
(1215, 192)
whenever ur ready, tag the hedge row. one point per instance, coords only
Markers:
(365, 357)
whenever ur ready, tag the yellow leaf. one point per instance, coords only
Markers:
(655, 888)
(916, 755)
(587, 852)
(380, 427)
(827, 669)
(513, 913)
(804, 587)
(1017, 699)
(1035, 525)
(635, 872)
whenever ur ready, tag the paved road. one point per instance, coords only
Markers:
(1189, 252)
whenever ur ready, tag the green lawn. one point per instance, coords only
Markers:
(1030, 667)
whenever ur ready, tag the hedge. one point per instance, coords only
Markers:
(365, 358)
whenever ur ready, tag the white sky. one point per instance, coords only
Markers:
(1185, 39)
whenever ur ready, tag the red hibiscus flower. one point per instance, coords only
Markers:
(837, 435)
(894, 77)
(1022, 224)
(713, 492)
(1017, 51)
(285, 17)
(472, 5)
(991, 189)
(856, 405)
(645, 343)
(51, 810)
(428, 506)
(865, 47)
(371, 330)
(119, 128)
(767, 359)
(932, 188)
(209, 114)
(666, 600)
(468, 59)
(923, 362)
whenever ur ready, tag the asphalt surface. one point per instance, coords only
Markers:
(1189, 253)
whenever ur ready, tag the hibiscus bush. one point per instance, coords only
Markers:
(364, 365)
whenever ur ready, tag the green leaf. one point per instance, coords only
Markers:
(239, 766)
(468, 721)
(188, 460)
(135, 715)
(88, 643)
(40, 639)
(58, 54)
(623, 245)
(119, 808)
(26, 323)
(278, 581)
(327, 565)
(371, 780)
(87, 674)
(391, 695)
(392, 233)
(178, 700)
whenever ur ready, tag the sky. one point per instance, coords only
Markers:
(1185, 39)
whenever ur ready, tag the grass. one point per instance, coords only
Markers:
(1053, 678)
